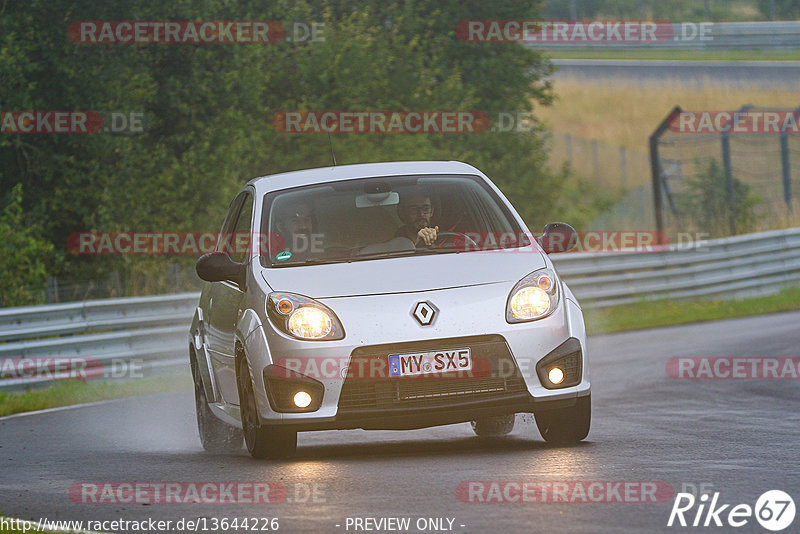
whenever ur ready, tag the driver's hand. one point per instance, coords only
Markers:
(427, 235)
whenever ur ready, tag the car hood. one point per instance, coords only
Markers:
(405, 274)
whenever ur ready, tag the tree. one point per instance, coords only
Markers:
(783, 9)
(208, 110)
(24, 256)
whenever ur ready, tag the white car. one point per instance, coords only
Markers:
(383, 296)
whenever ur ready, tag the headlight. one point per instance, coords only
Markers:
(303, 317)
(534, 297)
(310, 323)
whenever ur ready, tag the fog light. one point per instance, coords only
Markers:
(555, 375)
(303, 399)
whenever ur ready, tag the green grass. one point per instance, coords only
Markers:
(71, 392)
(684, 55)
(652, 314)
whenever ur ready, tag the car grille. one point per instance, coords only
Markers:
(494, 376)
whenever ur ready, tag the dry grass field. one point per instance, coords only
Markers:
(626, 114)
(591, 122)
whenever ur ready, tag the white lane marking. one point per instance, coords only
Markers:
(60, 408)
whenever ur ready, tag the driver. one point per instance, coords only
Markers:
(416, 211)
(295, 222)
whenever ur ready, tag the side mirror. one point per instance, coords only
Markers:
(219, 267)
(558, 237)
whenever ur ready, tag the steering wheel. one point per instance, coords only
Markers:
(442, 237)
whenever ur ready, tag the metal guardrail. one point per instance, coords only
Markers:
(738, 266)
(772, 35)
(154, 330)
(138, 334)
(94, 315)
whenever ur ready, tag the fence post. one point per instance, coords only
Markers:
(52, 290)
(174, 276)
(655, 170)
(623, 162)
(726, 166)
(568, 141)
(786, 170)
(114, 284)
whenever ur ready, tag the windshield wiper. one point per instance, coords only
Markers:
(309, 261)
(380, 255)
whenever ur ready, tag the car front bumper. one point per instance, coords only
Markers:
(385, 321)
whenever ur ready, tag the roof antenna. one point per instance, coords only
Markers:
(333, 155)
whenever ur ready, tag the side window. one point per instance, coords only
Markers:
(227, 225)
(241, 232)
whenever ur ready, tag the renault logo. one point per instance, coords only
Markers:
(424, 312)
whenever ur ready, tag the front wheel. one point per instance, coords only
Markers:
(566, 425)
(215, 435)
(263, 441)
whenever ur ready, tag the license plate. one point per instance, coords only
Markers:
(439, 361)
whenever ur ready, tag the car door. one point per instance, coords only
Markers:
(225, 299)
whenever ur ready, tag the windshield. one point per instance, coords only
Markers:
(383, 217)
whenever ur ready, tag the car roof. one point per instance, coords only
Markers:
(274, 182)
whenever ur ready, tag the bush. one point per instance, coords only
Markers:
(705, 203)
(23, 256)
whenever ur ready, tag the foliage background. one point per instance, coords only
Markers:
(208, 112)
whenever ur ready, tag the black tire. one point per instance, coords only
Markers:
(263, 441)
(566, 425)
(215, 435)
(496, 425)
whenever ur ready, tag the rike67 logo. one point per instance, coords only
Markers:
(774, 510)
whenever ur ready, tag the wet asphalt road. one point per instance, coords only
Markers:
(739, 436)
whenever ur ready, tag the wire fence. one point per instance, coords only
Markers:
(609, 167)
(730, 180)
(603, 164)
(175, 278)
